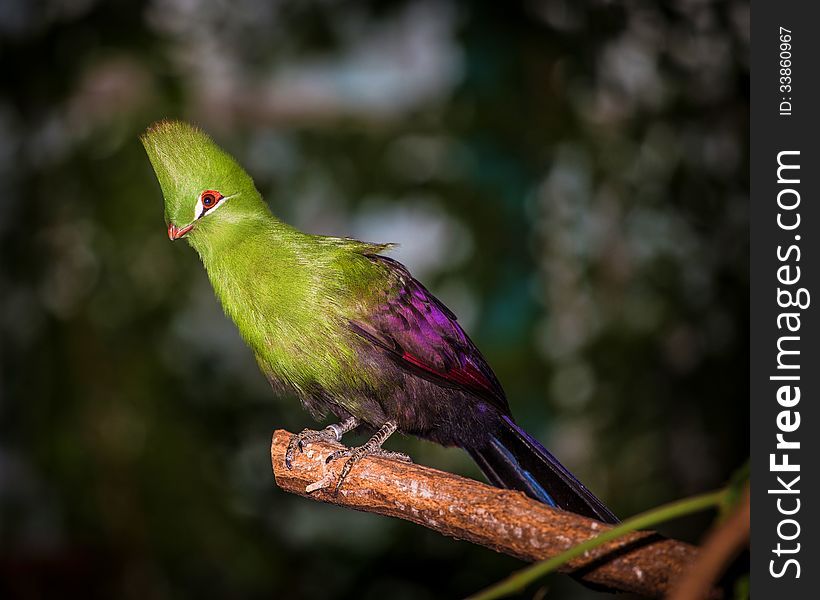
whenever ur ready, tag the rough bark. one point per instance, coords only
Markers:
(503, 520)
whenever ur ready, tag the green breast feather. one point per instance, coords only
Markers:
(296, 318)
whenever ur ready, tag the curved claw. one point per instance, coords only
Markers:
(306, 436)
(331, 433)
(294, 442)
(338, 454)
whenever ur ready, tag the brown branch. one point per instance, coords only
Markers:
(718, 549)
(503, 520)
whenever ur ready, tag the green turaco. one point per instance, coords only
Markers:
(346, 329)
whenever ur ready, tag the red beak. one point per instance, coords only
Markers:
(174, 232)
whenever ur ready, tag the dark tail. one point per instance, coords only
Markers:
(513, 459)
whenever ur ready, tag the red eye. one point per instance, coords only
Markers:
(210, 198)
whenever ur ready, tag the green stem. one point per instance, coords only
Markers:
(667, 512)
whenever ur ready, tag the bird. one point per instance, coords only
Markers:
(346, 329)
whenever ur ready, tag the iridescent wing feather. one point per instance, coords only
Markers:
(421, 335)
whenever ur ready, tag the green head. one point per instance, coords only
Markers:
(209, 198)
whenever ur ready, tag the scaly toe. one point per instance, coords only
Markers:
(393, 455)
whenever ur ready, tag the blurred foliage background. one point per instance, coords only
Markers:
(570, 177)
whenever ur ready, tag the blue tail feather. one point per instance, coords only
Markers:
(534, 487)
(514, 459)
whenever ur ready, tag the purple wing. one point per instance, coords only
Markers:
(421, 335)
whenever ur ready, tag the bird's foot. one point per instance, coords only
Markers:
(331, 433)
(373, 447)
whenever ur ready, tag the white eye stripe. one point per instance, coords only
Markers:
(200, 210)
